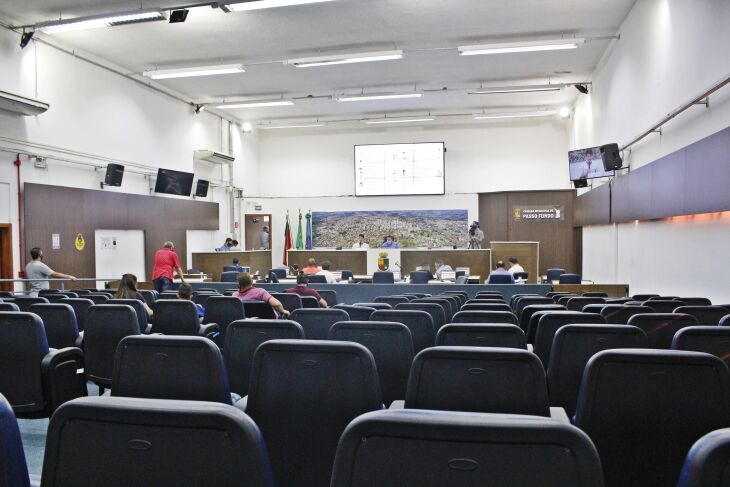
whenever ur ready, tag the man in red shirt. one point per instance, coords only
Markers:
(166, 261)
(303, 290)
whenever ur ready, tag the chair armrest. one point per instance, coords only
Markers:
(148, 329)
(63, 376)
(242, 403)
(559, 414)
(79, 343)
(397, 404)
(209, 330)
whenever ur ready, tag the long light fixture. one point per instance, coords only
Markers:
(497, 116)
(97, 21)
(264, 4)
(195, 71)
(527, 46)
(301, 126)
(514, 89)
(256, 104)
(376, 121)
(379, 96)
(362, 57)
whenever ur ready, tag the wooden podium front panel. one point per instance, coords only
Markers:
(527, 254)
(613, 290)
(477, 260)
(212, 263)
(353, 260)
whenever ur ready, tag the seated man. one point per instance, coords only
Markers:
(425, 267)
(389, 243)
(500, 270)
(185, 292)
(303, 289)
(247, 292)
(237, 265)
(514, 266)
(361, 243)
(226, 247)
(311, 267)
(441, 267)
(326, 272)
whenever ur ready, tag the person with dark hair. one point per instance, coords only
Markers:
(303, 289)
(514, 266)
(361, 244)
(326, 272)
(389, 242)
(128, 290)
(237, 265)
(234, 244)
(311, 267)
(475, 236)
(36, 269)
(226, 247)
(166, 261)
(499, 269)
(247, 292)
(185, 292)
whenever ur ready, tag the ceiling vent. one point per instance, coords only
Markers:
(21, 105)
(214, 156)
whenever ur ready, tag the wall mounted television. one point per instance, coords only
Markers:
(587, 164)
(174, 182)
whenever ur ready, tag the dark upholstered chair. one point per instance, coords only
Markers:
(391, 300)
(356, 313)
(499, 279)
(374, 305)
(570, 279)
(709, 339)
(577, 303)
(660, 328)
(223, 310)
(706, 315)
(179, 317)
(317, 279)
(554, 274)
(25, 302)
(551, 322)
(619, 314)
(13, 469)
(383, 277)
(59, 321)
(481, 335)
(418, 322)
(419, 277)
(328, 295)
(229, 276)
(316, 323)
(143, 317)
(289, 301)
(707, 462)
(485, 317)
(81, 307)
(435, 310)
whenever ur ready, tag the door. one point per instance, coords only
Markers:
(6, 256)
(253, 229)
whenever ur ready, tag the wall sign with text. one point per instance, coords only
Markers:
(538, 213)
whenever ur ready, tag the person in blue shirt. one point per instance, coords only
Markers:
(185, 292)
(501, 270)
(389, 243)
(226, 247)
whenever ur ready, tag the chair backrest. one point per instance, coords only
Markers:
(563, 299)
(175, 317)
(489, 294)
(316, 323)
(522, 302)
(714, 340)
(328, 295)
(447, 305)
(59, 322)
(374, 305)
(706, 315)
(170, 367)
(419, 277)
(570, 279)
(595, 294)
(310, 302)
(664, 298)
(485, 380)
(620, 313)
(529, 310)
(289, 301)
(230, 268)
(499, 279)
(153, 442)
(98, 298)
(504, 317)
(25, 302)
(462, 279)
(81, 307)
(554, 274)
(223, 310)
(577, 303)
(416, 295)
(455, 302)
(492, 450)
(419, 323)
(573, 346)
(631, 390)
(521, 275)
(356, 313)
(13, 469)
(106, 325)
(391, 300)
(243, 338)
(302, 396)
(486, 300)
(142, 316)
(202, 298)
(23, 347)
(707, 462)
(317, 279)
(258, 309)
(347, 275)
(486, 307)
(643, 297)
(695, 301)
(660, 328)
(149, 296)
(280, 273)
(392, 348)
(229, 276)
(383, 277)
(438, 315)
(549, 324)
(55, 297)
(9, 307)
(661, 306)
(481, 335)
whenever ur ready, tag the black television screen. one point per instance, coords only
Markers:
(174, 182)
(587, 164)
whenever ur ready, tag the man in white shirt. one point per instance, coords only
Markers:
(514, 266)
(360, 244)
(441, 267)
(326, 272)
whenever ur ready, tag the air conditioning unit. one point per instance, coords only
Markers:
(213, 156)
(21, 105)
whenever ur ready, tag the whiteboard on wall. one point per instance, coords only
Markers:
(119, 252)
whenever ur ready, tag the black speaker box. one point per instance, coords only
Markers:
(114, 175)
(611, 157)
(580, 183)
(201, 189)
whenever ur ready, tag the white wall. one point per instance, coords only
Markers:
(670, 51)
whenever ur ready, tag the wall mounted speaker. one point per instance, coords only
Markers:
(611, 157)
(201, 189)
(114, 175)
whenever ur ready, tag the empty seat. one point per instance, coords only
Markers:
(114, 441)
(663, 305)
(416, 295)
(223, 310)
(554, 274)
(577, 303)
(448, 306)
(706, 315)
(229, 276)
(310, 302)
(347, 275)
(595, 294)
(419, 277)
(392, 348)
(620, 313)
(435, 310)
(523, 301)
(289, 301)
(486, 307)
(179, 317)
(316, 323)
(25, 302)
(486, 300)
(707, 462)
(143, 317)
(500, 279)
(481, 335)
(660, 328)
(328, 295)
(664, 298)
(529, 310)
(551, 322)
(573, 346)
(495, 294)
(462, 295)
(644, 409)
(485, 317)
(643, 297)
(391, 300)
(709, 339)
(98, 298)
(13, 469)
(280, 273)
(9, 307)
(570, 279)
(81, 307)
(695, 301)
(149, 296)
(487, 380)
(418, 322)
(59, 322)
(383, 277)
(406, 448)
(258, 309)
(55, 297)
(302, 396)
(357, 313)
(374, 305)
(618, 300)
(564, 299)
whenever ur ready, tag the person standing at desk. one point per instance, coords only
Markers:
(389, 243)
(265, 238)
(475, 236)
(441, 267)
(36, 269)
(361, 244)
(166, 261)
(500, 270)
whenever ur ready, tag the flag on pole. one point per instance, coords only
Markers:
(309, 230)
(287, 237)
(300, 244)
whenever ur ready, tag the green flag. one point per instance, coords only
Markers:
(300, 243)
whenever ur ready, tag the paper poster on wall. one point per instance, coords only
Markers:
(108, 243)
(55, 241)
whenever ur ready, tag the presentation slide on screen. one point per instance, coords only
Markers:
(397, 169)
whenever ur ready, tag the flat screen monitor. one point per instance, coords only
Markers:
(400, 169)
(448, 275)
(174, 182)
(587, 164)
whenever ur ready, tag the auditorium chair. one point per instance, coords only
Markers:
(59, 321)
(662, 306)
(55, 297)
(25, 302)
(550, 323)
(620, 314)
(303, 394)
(391, 300)
(223, 310)
(229, 276)
(328, 295)
(521, 275)
(416, 295)
(570, 279)
(573, 346)
(374, 305)
(289, 301)
(13, 469)
(271, 277)
(226, 268)
(445, 304)
(258, 309)
(660, 328)
(180, 317)
(695, 301)
(34, 379)
(664, 298)
(317, 279)
(499, 279)
(346, 275)
(707, 462)
(114, 441)
(529, 310)
(392, 347)
(554, 274)
(523, 301)
(454, 303)
(485, 307)
(419, 323)
(714, 340)
(644, 409)
(356, 313)
(81, 292)
(407, 448)
(149, 296)
(504, 317)
(98, 298)
(482, 300)
(316, 323)
(577, 303)
(563, 300)
(9, 307)
(595, 294)
(489, 294)
(461, 280)
(201, 298)
(643, 297)
(243, 337)
(552, 294)
(383, 277)
(706, 315)
(6, 294)
(481, 335)
(462, 295)
(438, 315)
(619, 300)
(725, 321)
(310, 302)
(280, 273)
(81, 307)
(106, 325)
(143, 317)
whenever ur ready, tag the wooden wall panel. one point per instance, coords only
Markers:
(593, 207)
(477, 260)
(212, 263)
(354, 260)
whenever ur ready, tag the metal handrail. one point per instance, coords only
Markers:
(82, 279)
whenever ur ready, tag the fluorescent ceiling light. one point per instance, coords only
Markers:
(263, 4)
(495, 116)
(257, 104)
(378, 96)
(375, 121)
(195, 71)
(528, 46)
(362, 57)
(514, 89)
(97, 21)
(303, 126)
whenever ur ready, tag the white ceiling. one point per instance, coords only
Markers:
(428, 32)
